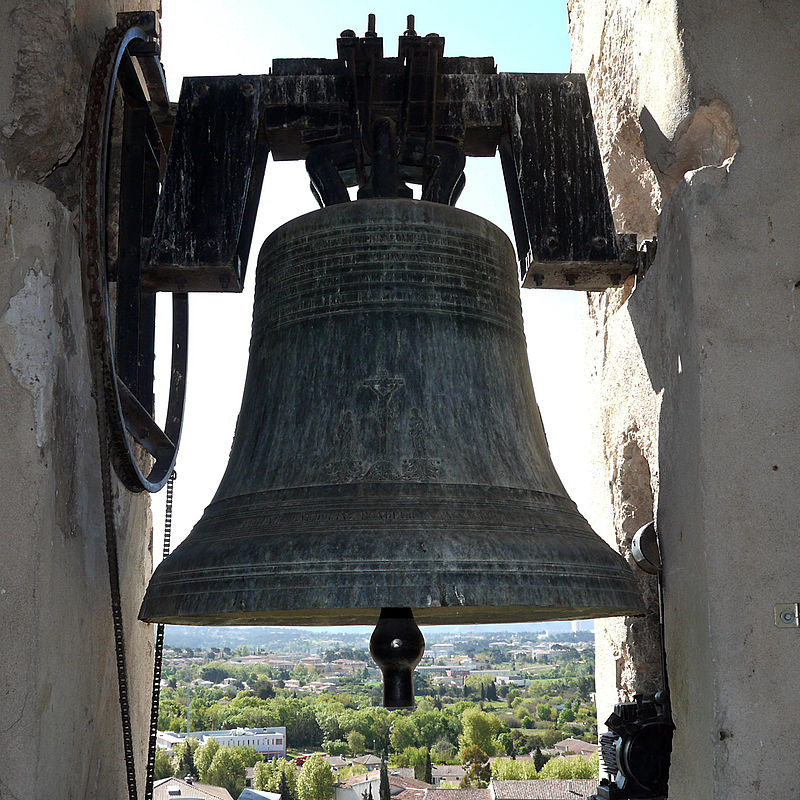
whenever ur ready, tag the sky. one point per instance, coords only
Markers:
(201, 37)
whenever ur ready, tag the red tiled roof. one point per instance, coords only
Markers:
(458, 794)
(572, 745)
(543, 790)
(398, 781)
(364, 777)
(204, 791)
(407, 783)
(411, 794)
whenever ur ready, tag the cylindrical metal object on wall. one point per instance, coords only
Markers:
(389, 450)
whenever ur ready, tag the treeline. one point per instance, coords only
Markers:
(467, 735)
(347, 725)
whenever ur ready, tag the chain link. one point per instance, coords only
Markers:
(158, 658)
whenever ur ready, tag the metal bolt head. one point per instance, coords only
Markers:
(787, 615)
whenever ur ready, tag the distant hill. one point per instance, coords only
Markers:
(310, 639)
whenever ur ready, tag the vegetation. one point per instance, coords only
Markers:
(562, 768)
(549, 700)
(478, 773)
(268, 776)
(316, 781)
(228, 769)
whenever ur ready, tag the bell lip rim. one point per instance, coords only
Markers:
(424, 616)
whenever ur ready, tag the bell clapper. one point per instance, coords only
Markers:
(397, 645)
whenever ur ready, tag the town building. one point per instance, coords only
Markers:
(401, 786)
(452, 773)
(575, 747)
(270, 742)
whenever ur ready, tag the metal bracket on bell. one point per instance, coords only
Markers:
(325, 111)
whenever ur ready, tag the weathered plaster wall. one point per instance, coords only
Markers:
(699, 367)
(59, 710)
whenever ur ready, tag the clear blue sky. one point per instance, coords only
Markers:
(201, 37)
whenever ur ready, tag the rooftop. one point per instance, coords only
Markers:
(458, 794)
(542, 790)
(176, 788)
(571, 745)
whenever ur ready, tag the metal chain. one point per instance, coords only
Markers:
(116, 603)
(158, 659)
(95, 135)
(93, 264)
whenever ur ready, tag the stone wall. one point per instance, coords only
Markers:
(60, 734)
(696, 371)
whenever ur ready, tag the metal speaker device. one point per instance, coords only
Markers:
(389, 452)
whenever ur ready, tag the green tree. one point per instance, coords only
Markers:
(404, 734)
(544, 711)
(261, 776)
(584, 687)
(263, 688)
(479, 729)
(539, 760)
(164, 766)
(214, 672)
(267, 776)
(567, 715)
(228, 769)
(443, 751)
(249, 755)
(384, 792)
(316, 781)
(351, 771)
(285, 789)
(203, 758)
(428, 776)
(509, 769)
(357, 743)
(506, 741)
(563, 768)
(409, 757)
(184, 757)
(551, 736)
(337, 747)
(478, 772)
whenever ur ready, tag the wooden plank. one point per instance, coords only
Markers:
(303, 111)
(204, 223)
(554, 178)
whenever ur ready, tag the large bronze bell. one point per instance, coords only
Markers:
(389, 451)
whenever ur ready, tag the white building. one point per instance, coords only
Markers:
(270, 742)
